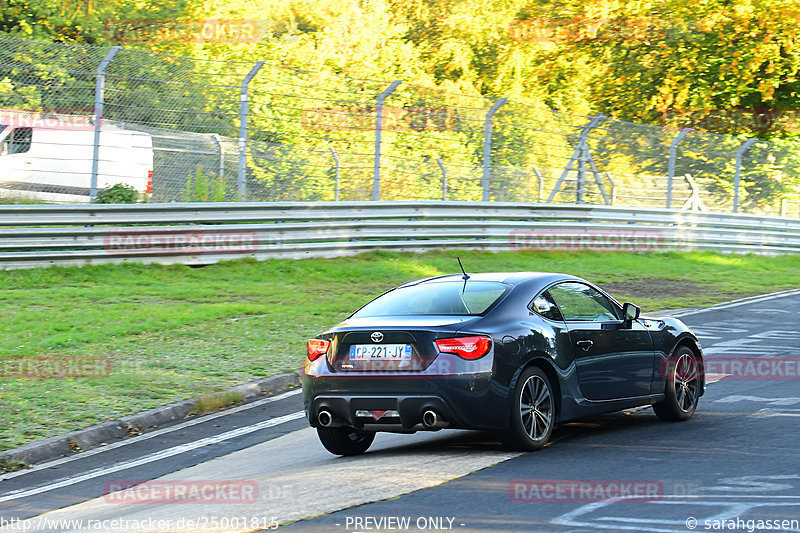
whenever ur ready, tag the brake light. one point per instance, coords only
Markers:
(317, 348)
(149, 188)
(465, 347)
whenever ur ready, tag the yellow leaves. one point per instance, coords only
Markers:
(767, 90)
(743, 11)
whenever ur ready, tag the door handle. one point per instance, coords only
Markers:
(585, 344)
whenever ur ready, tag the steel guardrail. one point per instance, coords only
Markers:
(204, 233)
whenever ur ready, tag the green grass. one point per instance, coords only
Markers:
(173, 332)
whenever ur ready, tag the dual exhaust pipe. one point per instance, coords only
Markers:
(430, 419)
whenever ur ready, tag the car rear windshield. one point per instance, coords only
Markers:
(436, 298)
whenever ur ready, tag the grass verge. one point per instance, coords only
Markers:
(173, 332)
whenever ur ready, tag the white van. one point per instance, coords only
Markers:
(51, 160)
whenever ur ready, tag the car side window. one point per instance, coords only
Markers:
(580, 302)
(18, 141)
(546, 306)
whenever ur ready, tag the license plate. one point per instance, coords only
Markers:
(383, 352)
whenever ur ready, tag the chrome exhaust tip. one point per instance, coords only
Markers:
(431, 420)
(325, 418)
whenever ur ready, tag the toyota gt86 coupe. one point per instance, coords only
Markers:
(515, 353)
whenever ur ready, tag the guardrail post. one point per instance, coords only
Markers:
(99, 100)
(673, 146)
(376, 176)
(244, 109)
(487, 145)
(444, 177)
(336, 174)
(738, 174)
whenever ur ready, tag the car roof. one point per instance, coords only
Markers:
(512, 278)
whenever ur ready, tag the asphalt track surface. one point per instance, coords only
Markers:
(735, 466)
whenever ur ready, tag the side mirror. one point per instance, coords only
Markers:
(630, 313)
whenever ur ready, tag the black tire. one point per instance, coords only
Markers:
(345, 441)
(682, 388)
(532, 411)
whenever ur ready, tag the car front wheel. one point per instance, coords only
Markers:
(345, 441)
(682, 388)
(533, 411)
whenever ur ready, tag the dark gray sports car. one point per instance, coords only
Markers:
(513, 352)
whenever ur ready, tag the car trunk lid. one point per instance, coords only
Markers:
(391, 345)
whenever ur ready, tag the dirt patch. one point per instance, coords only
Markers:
(659, 288)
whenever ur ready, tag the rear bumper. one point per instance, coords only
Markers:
(463, 402)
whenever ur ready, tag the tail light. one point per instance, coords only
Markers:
(465, 347)
(149, 188)
(317, 348)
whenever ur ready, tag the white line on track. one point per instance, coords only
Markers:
(163, 454)
(743, 301)
(151, 434)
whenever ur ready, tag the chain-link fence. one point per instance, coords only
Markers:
(77, 120)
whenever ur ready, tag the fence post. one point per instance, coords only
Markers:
(336, 174)
(376, 176)
(444, 177)
(582, 156)
(541, 184)
(218, 142)
(244, 110)
(487, 144)
(673, 146)
(613, 188)
(99, 99)
(738, 174)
